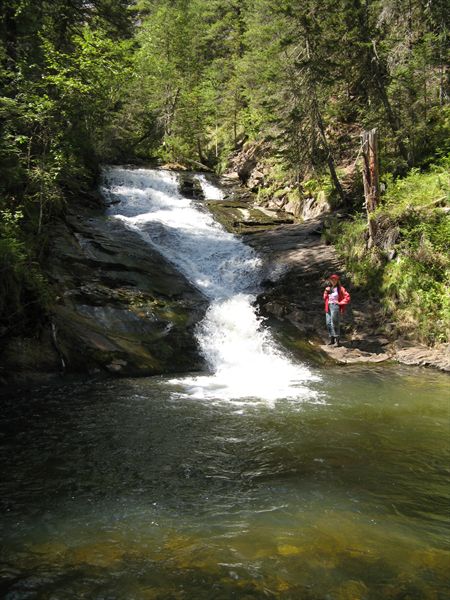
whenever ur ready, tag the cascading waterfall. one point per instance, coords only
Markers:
(244, 359)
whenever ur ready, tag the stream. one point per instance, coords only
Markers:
(262, 477)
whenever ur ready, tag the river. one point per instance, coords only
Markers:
(260, 478)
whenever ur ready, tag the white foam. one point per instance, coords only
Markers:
(210, 192)
(244, 360)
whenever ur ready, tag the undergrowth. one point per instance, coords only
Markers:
(24, 291)
(408, 267)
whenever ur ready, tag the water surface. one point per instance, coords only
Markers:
(127, 489)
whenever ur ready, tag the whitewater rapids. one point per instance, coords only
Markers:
(243, 358)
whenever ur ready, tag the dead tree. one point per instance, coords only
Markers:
(371, 178)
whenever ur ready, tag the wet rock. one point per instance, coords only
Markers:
(28, 354)
(29, 361)
(190, 186)
(240, 216)
(117, 365)
(122, 307)
(352, 590)
(288, 550)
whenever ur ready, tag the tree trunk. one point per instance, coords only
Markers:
(371, 178)
(321, 128)
(394, 121)
(200, 151)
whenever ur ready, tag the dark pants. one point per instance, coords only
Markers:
(333, 320)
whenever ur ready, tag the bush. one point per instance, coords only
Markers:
(23, 289)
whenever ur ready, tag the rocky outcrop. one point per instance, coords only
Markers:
(242, 216)
(252, 168)
(244, 164)
(120, 307)
(298, 262)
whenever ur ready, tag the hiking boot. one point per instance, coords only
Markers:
(331, 341)
(336, 342)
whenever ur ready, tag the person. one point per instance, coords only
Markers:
(336, 299)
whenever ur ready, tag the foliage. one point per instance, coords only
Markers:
(305, 77)
(418, 189)
(23, 289)
(409, 272)
(62, 67)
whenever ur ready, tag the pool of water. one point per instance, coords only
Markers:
(132, 489)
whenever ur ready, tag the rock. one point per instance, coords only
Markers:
(29, 361)
(347, 356)
(122, 307)
(256, 179)
(294, 207)
(314, 207)
(190, 186)
(28, 354)
(294, 300)
(438, 357)
(239, 216)
(174, 166)
(288, 550)
(245, 161)
(351, 590)
(276, 308)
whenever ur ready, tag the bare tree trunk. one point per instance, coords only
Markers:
(371, 178)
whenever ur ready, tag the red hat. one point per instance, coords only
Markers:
(334, 276)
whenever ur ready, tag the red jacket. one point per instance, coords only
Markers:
(343, 298)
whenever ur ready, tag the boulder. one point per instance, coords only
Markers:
(121, 307)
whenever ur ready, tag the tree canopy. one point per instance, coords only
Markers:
(85, 82)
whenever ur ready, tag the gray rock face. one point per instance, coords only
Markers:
(295, 301)
(121, 306)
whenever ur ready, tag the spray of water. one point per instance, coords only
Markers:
(244, 360)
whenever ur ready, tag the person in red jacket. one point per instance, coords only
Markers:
(336, 299)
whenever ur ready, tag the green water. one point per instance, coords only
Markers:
(123, 490)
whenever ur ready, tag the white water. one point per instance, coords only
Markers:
(211, 192)
(244, 360)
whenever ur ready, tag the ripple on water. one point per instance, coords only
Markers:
(326, 500)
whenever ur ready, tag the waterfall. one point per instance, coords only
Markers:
(244, 360)
(210, 192)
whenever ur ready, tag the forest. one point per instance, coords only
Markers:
(224, 309)
(193, 82)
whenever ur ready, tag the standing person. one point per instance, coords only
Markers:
(336, 298)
